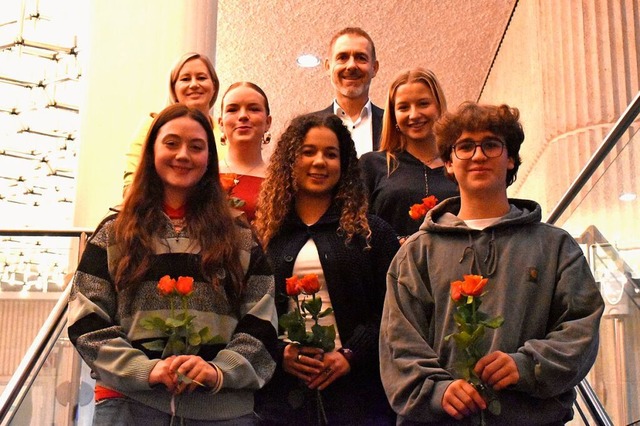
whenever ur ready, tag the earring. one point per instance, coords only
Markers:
(397, 127)
(266, 138)
(223, 140)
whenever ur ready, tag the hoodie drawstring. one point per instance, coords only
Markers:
(490, 261)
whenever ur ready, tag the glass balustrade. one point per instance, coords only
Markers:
(603, 216)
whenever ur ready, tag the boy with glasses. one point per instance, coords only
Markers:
(538, 280)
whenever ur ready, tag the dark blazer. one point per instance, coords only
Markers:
(376, 123)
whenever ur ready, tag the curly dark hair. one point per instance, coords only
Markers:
(209, 220)
(279, 188)
(502, 120)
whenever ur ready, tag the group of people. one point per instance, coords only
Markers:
(333, 201)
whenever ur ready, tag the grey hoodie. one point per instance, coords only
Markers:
(539, 281)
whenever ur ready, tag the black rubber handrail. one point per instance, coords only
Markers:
(612, 138)
(591, 400)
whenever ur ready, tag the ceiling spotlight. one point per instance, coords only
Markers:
(627, 196)
(308, 61)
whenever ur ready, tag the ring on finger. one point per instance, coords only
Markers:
(298, 357)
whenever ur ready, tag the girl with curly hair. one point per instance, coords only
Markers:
(312, 218)
(175, 221)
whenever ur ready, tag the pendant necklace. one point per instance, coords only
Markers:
(426, 174)
(236, 179)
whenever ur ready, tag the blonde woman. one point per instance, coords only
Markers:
(408, 167)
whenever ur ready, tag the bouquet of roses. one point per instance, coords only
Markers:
(472, 324)
(320, 336)
(419, 211)
(182, 339)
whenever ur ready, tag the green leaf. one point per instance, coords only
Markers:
(153, 323)
(156, 345)
(326, 312)
(175, 322)
(463, 339)
(494, 407)
(194, 339)
(313, 306)
(494, 322)
(184, 379)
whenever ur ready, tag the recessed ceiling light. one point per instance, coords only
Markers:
(308, 61)
(627, 196)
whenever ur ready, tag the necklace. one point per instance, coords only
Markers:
(237, 176)
(426, 179)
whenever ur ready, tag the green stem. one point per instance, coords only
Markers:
(315, 317)
(473, 313)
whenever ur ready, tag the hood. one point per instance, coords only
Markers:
(442, 218)
(481, 251)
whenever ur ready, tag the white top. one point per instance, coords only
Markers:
(361, 130)
(308, 262)
(480, 224)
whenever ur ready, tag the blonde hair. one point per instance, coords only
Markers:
(175, 73)
(391, 140)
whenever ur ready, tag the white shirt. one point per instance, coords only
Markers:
(361, 130)
(308, 262)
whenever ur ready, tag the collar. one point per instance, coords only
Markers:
(337, 110)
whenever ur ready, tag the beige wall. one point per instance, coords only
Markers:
(131, 47)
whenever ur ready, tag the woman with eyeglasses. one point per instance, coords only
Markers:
(408, 167)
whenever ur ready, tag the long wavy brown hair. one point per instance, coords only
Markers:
(208, 218)
(279, 188)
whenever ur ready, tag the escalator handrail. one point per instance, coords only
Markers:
(48, 329)
(591, 400)
(612, 138)
(30, 360)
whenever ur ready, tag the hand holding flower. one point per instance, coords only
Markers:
(498, 370)
(178, 328)
(472, 324)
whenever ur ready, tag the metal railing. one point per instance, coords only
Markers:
(593, 404)
(32, 362)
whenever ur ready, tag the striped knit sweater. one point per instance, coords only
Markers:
(104, 325)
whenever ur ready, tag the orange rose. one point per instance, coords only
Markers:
(429, 202)
(292, 286)
(417, 211)
(228, 181)
(166, 285)
(456, 290)
(473, 285)
(184, 286)
(310, 284)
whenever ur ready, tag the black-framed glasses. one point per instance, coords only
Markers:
(466, 149)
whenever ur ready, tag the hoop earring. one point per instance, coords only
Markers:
(223, 140)
(266, 138)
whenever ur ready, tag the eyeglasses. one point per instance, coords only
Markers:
(465, 150)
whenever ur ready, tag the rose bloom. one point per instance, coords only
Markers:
(184, 286)
(292, 286)
(417, 211)
(166, 285)
(228, 181)
(429, 202)
(473, 285)
(310, 284)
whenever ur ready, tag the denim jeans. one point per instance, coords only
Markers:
(127, 412)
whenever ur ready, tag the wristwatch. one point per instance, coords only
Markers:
(347, 353)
